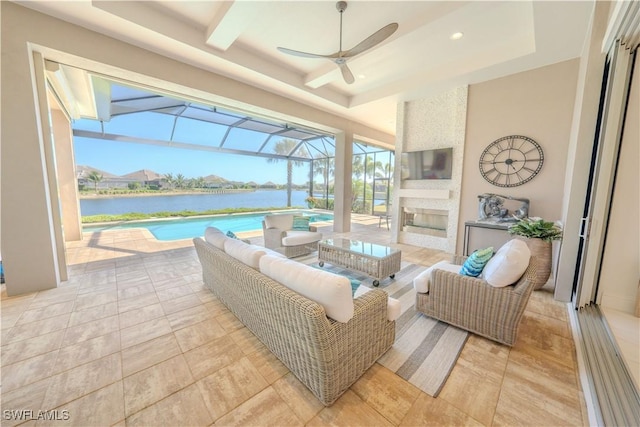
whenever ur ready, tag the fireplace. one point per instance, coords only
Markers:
(432, 222)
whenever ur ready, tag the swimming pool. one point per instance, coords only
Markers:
(186, 228)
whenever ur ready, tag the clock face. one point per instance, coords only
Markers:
(511, 161)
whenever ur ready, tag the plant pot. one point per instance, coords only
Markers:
(541, 250)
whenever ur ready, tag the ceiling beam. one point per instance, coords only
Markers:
(230, 22)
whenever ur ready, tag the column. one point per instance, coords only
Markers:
(342, 182)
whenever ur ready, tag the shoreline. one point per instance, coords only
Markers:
(172, 193)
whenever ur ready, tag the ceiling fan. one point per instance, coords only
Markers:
(341, 56)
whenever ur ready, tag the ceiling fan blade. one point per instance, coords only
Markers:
(347, 75)
(375, 38)
(305, 54)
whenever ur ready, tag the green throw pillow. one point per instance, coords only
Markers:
(301, 223)
(231, 234)
(475, 263)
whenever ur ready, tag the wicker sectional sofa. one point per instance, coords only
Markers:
(327, 356)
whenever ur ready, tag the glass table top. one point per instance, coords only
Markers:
(360, 247)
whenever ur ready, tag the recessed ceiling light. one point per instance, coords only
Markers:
(456, 36)
(362, 76)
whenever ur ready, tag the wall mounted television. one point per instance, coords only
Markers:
(427, 164)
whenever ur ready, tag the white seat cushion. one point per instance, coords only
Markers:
(279, 221)
(508, 264)
(331, 291)
(295, 237)
(215, 237)
(394, 308)
(421, 281)
(245, 253)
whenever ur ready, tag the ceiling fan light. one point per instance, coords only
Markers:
(456, 36)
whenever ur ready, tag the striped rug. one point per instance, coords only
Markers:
(425, 349)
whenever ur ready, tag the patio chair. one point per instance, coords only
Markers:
(289, 234)
(474, 305)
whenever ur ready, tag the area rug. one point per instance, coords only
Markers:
(425, 350)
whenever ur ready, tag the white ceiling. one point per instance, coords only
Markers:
(238, 39)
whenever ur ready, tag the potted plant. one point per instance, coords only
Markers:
(538, 234)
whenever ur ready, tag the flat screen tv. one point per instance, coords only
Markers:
(427, 164)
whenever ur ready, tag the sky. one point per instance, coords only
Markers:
(121, 158)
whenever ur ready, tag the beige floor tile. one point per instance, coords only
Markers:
(213, 356)
(84, 379)
(386, 392)
(141, 315)
(137, 302)
(184, 408)
(26, 398)
(104, 407)
(147, 387)
(174, 292)
(349, 410)
(229, 321)
(149, 353)
(28, 371)
(93, 299)
(93, 313)
(227, 388)
(87, 351)
(299, 398)
(189, 317)
(34, 329)
(538, 341)
(21, 350)
(180, 303)
(535, 321)
(427, 411)
(265, 409)
(199, 334)
(89, 330)
(269, 366)
(246, 340)
(143, 288)
(145, 331)
(42, 313)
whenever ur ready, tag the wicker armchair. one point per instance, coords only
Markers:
(279, 236)
(472, 304)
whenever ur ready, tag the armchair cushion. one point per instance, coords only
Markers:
(280, 221)
(508, 264)
(295, 238)
(300, 223)
(215, 236)
(475, 263)
(421, 281)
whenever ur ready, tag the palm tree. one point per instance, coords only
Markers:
(95, 177)
(170, 179)
(180, 180)
(284, 147)
(325, 167)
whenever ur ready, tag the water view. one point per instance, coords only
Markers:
(194, 202)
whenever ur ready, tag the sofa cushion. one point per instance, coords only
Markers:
(508, 264)
(280, 221)
(394, 308)
(295, 238)
(247, 254)
(215, 237)
(300, 223)
(475, 263)
(421, 281)
(331, 291)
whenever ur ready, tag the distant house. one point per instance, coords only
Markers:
(145, 178)
(108, 180)
(215, 181)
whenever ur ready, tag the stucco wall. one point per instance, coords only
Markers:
(537, 104)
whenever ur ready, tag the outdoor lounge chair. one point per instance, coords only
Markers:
(290, 235)
(474, 305)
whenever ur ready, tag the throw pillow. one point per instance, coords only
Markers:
(475, 263)
(231, 234)
(508, 264)
(300, 223)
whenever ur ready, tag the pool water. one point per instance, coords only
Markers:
(187, 228)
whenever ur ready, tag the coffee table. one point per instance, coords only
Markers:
(376, 261)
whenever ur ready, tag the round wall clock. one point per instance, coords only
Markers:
(511, 161)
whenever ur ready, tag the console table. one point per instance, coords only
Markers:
(498, 226)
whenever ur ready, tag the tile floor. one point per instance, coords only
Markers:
(133, 338)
